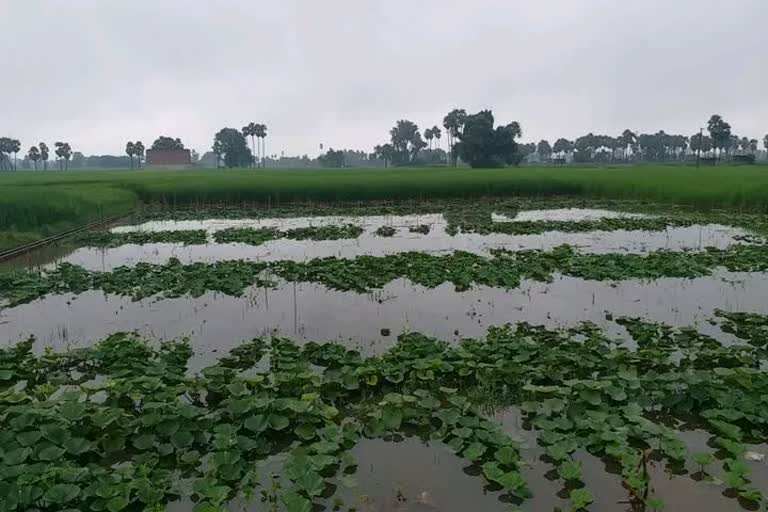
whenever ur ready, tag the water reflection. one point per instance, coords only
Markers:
(371, 322)
(436, 242)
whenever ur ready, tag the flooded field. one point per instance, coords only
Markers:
(664, 312)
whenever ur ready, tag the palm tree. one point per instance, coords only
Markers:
(129, 150)
(429, 136)
(14, 148)
(454, 123)
(44, 154)
(261, 133)
(34, 155)
(64, 152)
(437, 133)
(250, 131)
(720, 132)
(138, 150)
(5, 147)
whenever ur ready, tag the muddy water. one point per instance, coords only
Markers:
(370, 322)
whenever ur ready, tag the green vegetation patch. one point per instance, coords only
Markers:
(505, 269)
(386, 231)
(259, 236)
(121, 425)
(43, 203)
(421, 229)
(110, 239)
(142, 280)
(580, 226)
(752, 327)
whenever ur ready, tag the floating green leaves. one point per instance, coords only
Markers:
(61, 448)
(580, 498)
(505, 270)
(257, 236)
(142, 280)
(116, 239)
(422, 229)
(386, 231)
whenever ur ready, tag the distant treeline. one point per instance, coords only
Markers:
(472, 139)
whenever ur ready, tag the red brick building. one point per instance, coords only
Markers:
(170, 158)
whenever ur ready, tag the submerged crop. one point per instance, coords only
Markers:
(259, 236)
(504, 269)
(112, 239)
(122, 426)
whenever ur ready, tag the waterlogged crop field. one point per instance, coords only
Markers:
(500, 354)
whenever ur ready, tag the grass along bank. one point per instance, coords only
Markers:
(33, 204)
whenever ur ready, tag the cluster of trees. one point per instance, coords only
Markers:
(229, 145)
(136, 149)
(41, 152)
(481, 145)
(332, 158)
(256, 131)
(164, 142)
(345, 158)
(471, 138)
(659, 146)
(64, 152)
(8, 146)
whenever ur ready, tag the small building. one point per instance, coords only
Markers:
(169, 158)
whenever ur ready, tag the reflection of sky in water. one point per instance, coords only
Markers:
(436, 242)
(307, 311)
(566, 214)
(215, 323)
(410, 474)
(369, 223)
(678, 492)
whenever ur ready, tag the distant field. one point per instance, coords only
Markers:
(34, 204)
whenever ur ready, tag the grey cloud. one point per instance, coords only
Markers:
(341, 72)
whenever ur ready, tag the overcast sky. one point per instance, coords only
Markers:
(97, 73)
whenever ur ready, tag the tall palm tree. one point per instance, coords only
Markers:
(250, 131)
(453, 124)
(138, 150)
(258, 132)
(44, 151)
(130, 150)
(261, 133)
(437, 133)
(15, 147)
(429, 136)
(34, 155)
